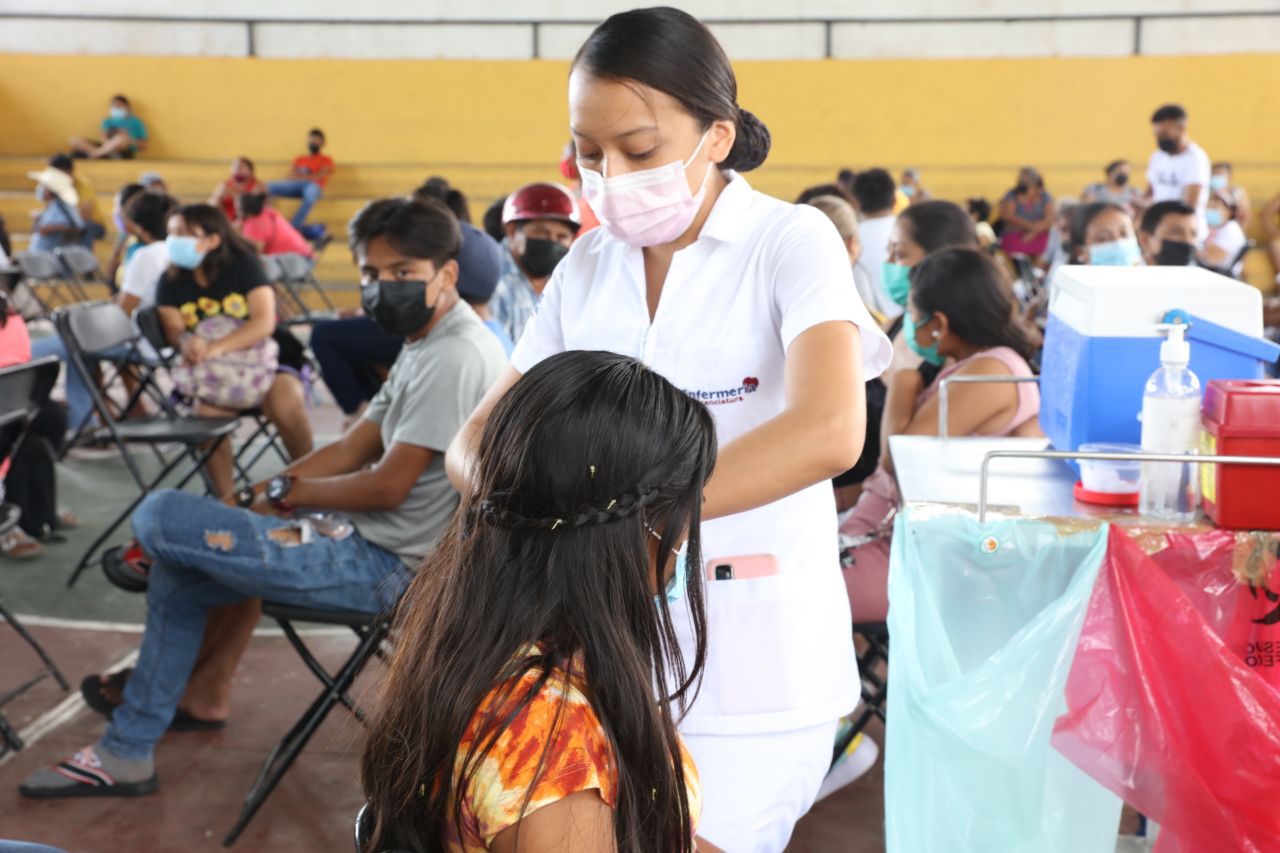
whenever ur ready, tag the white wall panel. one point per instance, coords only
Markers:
(981, 40)
(161, 38)
(1212, 35)
(393, 41)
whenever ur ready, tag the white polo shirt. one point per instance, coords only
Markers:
(780, 651)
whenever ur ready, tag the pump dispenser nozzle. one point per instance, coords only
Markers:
(1175, 350)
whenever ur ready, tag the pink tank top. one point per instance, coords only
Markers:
(1028, 392)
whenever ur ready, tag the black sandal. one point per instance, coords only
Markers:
(92, 691)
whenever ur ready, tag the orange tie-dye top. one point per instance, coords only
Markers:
(578, 759)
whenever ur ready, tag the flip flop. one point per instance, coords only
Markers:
(85, 770)
(92, 691)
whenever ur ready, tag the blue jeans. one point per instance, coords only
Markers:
(79, 399)
(308, 191)
(347, 351)
(206, 554)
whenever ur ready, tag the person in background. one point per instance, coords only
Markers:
(911, 187)
(306, 181)
(154, 182)
(124, 135)
(1270, 216)
(125, 244)
(980, 212)
(1102, 235)
(1221, 181)
(58, 223)
(540, 222)
(1060, 250)
(873, 193)
(439, 189)
(845, 219)
(267, 230)
(569, 169)
(834, 189)
(492, 220)
(1224, 247)
(1116, 188)
(354, 353)
(1027, 212)
(1178, 169)
(1168, 234)
(145, 217)
(242, 180)
(384, 481)
(90, 213)
(548, 649)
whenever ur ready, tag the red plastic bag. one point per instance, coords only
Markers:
(1167, 702)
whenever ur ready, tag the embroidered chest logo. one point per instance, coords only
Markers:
(723, 397)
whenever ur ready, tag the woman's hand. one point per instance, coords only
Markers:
(195, 349)
(214, 350)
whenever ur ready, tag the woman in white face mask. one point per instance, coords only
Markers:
(747, 303)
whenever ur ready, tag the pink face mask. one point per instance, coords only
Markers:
(645, 208)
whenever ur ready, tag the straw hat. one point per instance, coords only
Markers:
(58, 183)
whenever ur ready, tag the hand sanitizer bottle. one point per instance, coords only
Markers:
(1171, 424)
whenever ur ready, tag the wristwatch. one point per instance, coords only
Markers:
(244, 497)
(278, 489)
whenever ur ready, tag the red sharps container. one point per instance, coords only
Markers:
(1241, 418)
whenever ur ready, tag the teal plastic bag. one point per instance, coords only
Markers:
(983, 624)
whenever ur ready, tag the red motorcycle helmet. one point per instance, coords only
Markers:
(542, 201)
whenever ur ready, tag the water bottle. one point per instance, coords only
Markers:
(1171, 424)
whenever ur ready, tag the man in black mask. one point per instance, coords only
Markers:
(343, 528)
(1167, 234)
(1178, 169)
(540, 221)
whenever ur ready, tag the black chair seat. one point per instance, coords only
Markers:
(160, 430)
(296, 613)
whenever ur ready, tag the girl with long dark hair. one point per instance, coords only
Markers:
(748, 304)
(521, 701)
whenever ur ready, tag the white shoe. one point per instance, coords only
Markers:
(859, 757)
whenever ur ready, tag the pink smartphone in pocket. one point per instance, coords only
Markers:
(742, 568)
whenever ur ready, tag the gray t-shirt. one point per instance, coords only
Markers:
(432, 389)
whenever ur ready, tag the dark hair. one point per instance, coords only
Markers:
(128, 191)
(62, 162)
(937, 224)
(211, 220)
(979, 207)
(874, 189)
(845, 179)
(252, 204)
(813, 192)
(970, 288)
(1156, 213)
(670, 50)
(492, 221)
(151, 212)
(1083, 214)
(122, 99)
(416, 228)
(1222, 164)
(5, 310)
(315, 131)
(583, 457)
(438, 188)
(1115, 164)
(247, 162)
(1169, 112)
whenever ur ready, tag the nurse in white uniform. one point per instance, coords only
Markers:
(748, 304)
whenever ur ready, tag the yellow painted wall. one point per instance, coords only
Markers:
(966, 123)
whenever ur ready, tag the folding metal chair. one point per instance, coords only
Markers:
(98, 327)
(371, 629)
(246, 456)
(23, 390)
(82, 270)
(45, 280)
(298, 277)
(875, 688)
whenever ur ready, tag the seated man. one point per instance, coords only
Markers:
(375, 501)
(1167, 234)
(267, 229)
(540, 221)
(58, 223)
(90, 213)
(123, 134)
(306, 181)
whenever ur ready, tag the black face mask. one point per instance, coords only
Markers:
(1121, 179)
(541, 256)
(1167, 144)
(1175, 253)
(398, 307)
(1021, 189)
(314, 147)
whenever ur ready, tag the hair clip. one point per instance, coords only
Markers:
(611, 505)
(593, 472)
(559, 521)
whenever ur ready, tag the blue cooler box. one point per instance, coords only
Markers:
(1101, 345)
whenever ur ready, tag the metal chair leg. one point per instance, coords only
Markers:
(35, 645)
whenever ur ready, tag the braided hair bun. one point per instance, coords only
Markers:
(751, 146)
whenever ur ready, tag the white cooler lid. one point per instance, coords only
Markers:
(1128, 302)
